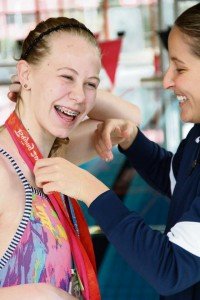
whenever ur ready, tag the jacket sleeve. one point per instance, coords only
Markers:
(152, 162)
(161, 259)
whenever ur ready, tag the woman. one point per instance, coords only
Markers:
(170, 261)
(45, 248)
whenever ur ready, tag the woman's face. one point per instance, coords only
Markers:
(63, 85)
(183, 76)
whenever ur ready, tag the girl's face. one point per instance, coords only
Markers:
(63, 85)
(183, 76)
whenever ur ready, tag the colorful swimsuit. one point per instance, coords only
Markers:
(39, 250)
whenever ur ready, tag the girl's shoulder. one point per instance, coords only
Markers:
(5, 181)
(4, 171)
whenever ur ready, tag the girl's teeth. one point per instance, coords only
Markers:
(67, 111)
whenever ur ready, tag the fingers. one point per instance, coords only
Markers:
(49, 188)
(12, 96)
(47, 162)
(14, 78)
(43, 177)
(46, 170)
(104, 131)
(101, 148)
(108, 134)
(103, 141)
(113, 132)
(15, 87)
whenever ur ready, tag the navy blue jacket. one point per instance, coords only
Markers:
(170, 262)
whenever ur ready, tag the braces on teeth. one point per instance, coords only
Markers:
(68, 112)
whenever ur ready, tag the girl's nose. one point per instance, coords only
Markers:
(77, 94)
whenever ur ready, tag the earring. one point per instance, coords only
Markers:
(25, 86)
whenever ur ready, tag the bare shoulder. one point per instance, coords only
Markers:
(5, 181)
(4, 172)
(102, 93)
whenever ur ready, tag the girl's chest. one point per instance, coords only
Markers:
(12, 209)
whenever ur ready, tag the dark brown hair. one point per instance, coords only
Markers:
(189, 24)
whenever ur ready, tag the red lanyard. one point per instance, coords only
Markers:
(81, 247)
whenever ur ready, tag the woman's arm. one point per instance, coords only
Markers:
(161, 259)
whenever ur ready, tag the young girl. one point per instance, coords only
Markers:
(45, 248)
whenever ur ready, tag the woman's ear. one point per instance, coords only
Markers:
(23, 72)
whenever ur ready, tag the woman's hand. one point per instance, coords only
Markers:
(113, 132)
(14, 88)
(58, 174)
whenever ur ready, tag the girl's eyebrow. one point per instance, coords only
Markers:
(68, 69)
(95, 77)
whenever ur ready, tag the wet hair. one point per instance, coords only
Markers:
(36, 44)
(189, 24)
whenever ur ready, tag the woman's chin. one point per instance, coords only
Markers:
(186, 119)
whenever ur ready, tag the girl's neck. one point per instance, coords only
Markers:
(42, 139)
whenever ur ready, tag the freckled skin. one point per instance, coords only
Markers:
(50, 87)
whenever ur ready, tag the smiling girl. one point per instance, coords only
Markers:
(45, 247)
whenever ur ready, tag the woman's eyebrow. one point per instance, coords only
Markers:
(175, 59)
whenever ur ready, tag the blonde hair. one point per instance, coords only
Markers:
(59, 147)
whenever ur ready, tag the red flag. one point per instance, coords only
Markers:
(110, 55)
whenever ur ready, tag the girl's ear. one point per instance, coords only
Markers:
(23, 72)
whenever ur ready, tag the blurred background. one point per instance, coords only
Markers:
(133, 36)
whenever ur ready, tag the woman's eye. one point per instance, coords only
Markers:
(180, 70)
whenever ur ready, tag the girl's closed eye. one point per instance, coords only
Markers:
(69, 77)
(92, 85)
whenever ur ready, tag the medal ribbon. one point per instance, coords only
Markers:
(82, 249)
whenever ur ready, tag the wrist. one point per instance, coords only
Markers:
(128, 142)
(95, 189)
